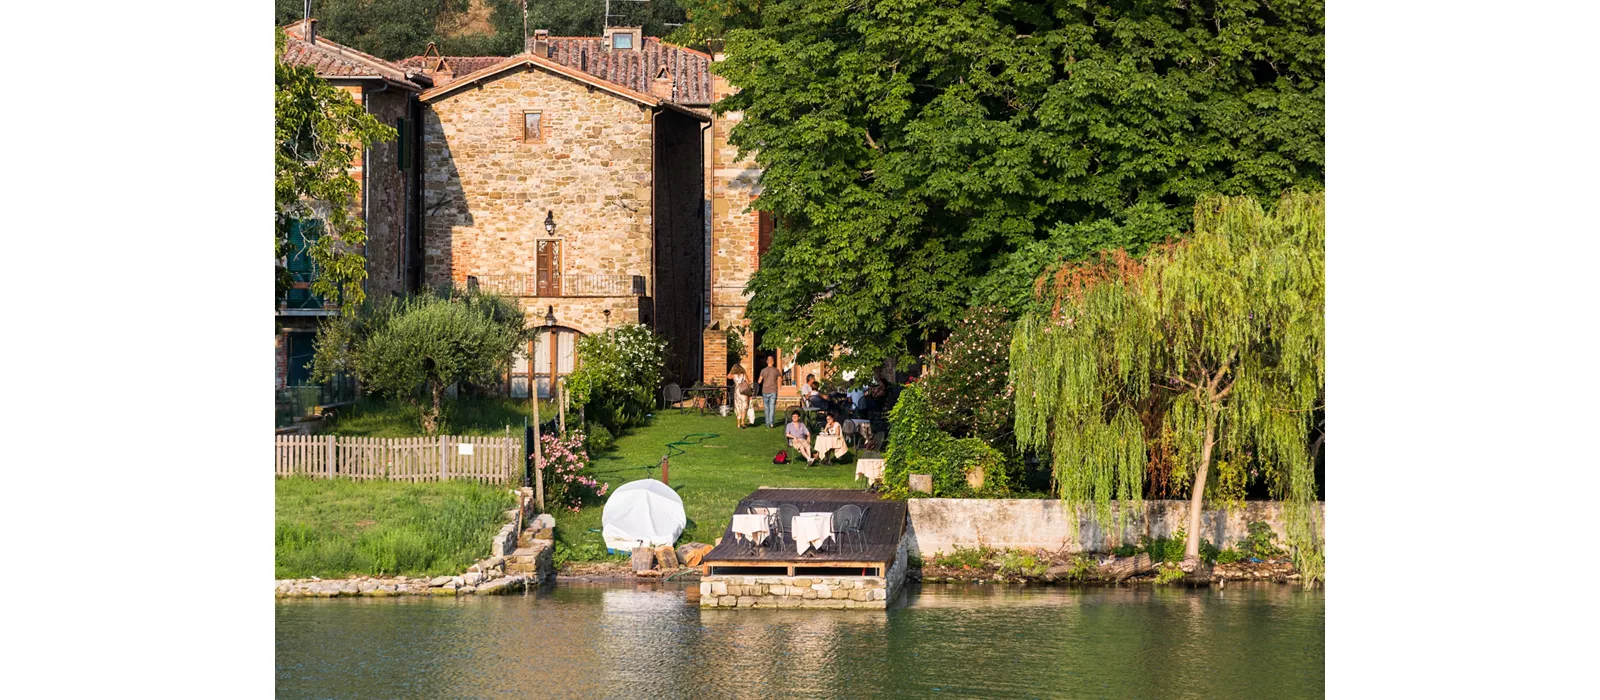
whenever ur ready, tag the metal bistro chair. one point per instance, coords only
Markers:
(672, 395)
(847, 520)
(784, 529)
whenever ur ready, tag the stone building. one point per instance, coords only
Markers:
(389, 178)
(579, 197)
(734, 235)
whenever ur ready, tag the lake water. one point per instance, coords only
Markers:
(575, 640)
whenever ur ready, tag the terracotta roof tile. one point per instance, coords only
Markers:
(635, 69)
(334, 60)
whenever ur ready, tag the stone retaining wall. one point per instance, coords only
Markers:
(741, 591)
(937, 525)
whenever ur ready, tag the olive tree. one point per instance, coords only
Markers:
(416, 347)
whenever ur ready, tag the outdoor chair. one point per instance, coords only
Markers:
(847, 520)
(785, 526)
(672, 395)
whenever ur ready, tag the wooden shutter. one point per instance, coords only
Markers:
(764, 232)
(548, 264)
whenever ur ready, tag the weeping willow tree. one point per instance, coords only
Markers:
(1221, 336)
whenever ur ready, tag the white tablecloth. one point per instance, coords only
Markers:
(870, 468)
(752, 526)
(810, 530)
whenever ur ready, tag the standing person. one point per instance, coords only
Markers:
(799, 436)
(741, 396)
(830, 440)
(770, 379)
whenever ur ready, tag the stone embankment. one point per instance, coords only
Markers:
(794, 592)
(518, 558)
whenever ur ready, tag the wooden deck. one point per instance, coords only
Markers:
(882, 526)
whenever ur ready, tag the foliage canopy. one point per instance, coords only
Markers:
(910, 148)
(318, 132)
(1221, 335)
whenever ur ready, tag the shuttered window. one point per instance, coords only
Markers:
(764, 232)
(548, 266)
(402, 127)
(302, 233)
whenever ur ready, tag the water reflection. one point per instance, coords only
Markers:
(649, 641)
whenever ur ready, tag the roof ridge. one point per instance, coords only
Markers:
(325, 44)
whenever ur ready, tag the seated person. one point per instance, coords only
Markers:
(808, 387)
(831, 440)
(858, 397)
(815, 398)
(799, 436)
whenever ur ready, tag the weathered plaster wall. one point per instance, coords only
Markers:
(936, 525)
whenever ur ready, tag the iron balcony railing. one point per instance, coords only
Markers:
(562, 285)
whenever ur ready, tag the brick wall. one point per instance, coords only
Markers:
(735, 183)
(486, 191)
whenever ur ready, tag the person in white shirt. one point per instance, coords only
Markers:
(830, 440)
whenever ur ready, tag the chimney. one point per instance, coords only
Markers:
(311, 31)
(539, 45)
(661, 86)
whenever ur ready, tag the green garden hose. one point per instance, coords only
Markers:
(673, 450)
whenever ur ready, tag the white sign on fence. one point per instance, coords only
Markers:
(464, 448)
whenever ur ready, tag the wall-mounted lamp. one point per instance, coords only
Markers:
(607, 313)
(550, 316)
(550, 222)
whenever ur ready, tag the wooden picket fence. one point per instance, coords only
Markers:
(487, 459)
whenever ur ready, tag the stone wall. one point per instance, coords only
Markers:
(750, 591)
(936, 525)
(486, 190)
(386, 199)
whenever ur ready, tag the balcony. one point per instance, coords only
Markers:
(562, 285)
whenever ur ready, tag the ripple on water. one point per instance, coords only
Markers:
(623, 641)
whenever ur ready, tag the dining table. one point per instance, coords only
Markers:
(810, 530)
(752, 527)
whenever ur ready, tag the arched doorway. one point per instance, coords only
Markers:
(552, 354)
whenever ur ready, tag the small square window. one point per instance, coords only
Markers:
(532, 127)
(622, 40)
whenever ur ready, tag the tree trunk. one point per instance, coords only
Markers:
(1191, 547)
(1124, 567)
(430, 415)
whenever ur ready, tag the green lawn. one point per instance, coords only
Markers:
(371, 417)
(338, 527)
(711, 476)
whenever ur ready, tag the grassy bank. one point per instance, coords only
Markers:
(711, 476)
(336, 528)
(371, 417)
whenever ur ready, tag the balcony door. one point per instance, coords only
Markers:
(555, 349)
(548, 267)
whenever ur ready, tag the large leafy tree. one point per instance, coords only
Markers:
(319, 132)
(913, 148)
(1221, 335)
(414, 348)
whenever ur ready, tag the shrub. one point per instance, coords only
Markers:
(1261, 541)
(969, 392)
(618, 373)
(567, 483)
(963, 557)
(1021, 564)
(1229, 556)
(918, 446)
(1168, 574)
(600, 438)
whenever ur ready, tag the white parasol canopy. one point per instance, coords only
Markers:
(643, 512)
